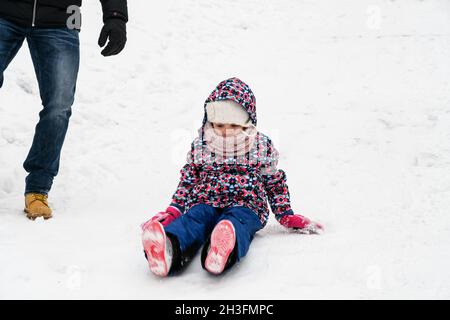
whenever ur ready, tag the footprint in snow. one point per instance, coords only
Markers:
(25, 85)
(8, 135)
(7, 185)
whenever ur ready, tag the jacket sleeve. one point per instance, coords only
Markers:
(115, 9)
(275, 184)
(189, 178)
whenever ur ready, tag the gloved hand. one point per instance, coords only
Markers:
(299, 222)
(165, 217)
(116, 30)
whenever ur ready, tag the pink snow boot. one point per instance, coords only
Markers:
(157, 247)
(223, 240)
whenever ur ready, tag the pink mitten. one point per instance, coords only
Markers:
(165, 217)
(299, 222)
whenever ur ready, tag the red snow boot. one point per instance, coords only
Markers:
(223, 240)
(157, 248)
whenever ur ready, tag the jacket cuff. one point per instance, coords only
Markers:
(115, 15)
(115, 9)
(278, 216)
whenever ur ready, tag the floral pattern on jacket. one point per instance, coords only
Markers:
(251, 180)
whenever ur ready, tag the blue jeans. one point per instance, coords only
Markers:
(193, 229)
(56, 57)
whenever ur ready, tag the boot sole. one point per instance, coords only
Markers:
(154, 242)
(223, 240)
(35, 216)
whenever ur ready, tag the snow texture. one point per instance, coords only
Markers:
(355, 95)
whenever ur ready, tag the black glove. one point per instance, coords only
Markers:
(116, 30)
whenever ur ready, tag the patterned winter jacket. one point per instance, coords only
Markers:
(249, 180)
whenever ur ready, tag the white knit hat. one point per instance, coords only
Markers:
(227, 112)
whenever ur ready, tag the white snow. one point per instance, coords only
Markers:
(355, 94)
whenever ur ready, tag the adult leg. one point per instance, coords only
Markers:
(56, 56)
(11, 39)
(230, 239)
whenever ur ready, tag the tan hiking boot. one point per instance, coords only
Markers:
(36, 206)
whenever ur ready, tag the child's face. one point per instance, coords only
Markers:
(227, 130)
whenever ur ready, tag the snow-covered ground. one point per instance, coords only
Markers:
(356, 95)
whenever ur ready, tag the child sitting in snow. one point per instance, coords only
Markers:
(221, 200)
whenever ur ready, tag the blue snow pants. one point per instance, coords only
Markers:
(193, 229)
